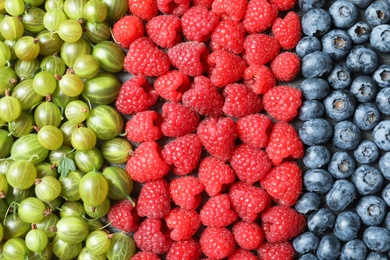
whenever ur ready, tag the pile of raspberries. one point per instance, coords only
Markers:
(209, 111)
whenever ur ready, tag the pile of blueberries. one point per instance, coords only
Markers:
(345, 126)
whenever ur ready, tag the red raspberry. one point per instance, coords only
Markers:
(184, 250)
(250, 164)
(260, 48)
(152, 237)
(283, 143)
(281, 223)
(229, 36)
(286, 66)
(283, 102)
(123, 216)
(230, 9)
(276, 251)
(240, 101)
(206, 3)
(172, 85)
(178, 119)
(242, 254)
(204, 97)
(176, 7)
(143, 255)
(260, 15)
(154, 200)
(198, 23)
(183, 223)
(146, 163)
(217, 212)
(217, 243)
(225, 67)
(186, 192)
(287, 30)
(145, 58)
(259, 78)
(183, 153)
(142, 127)
(254, 129)
(215, 175)
(164, 30)
(127, 29)
(284, 183)
(218, 136)
(248, 201)
(145, 9)
(135, 95)
(189, 57)
(284, 5)
(248, 235)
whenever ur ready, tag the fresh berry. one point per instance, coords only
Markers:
(307, 202)
(127, 29)
(384, 165)
(364, 88)
(306, 45)
(259, 48)
(314, 88)
(366, 152)
(286, 66)
(259, 78)
(382, 100)
(206, 3)
(143, 127)
(172, 85)
(144, 255)
(346, 135)
(123, 216)
(371, 210)
(276, 251)
(146, 10)
(359, 32)
(354, 249)
(317, 64)
(341, 165)
(260, 15)
(306, 242)
(377, 13)
(337, 43)
(315, 131)
(228, 35)
(183, 223)
(316, 22)
(184, 250)
(254, 129)
(284, 5)
(376, 238)
(178, 120)
(307, 5)
(362, 59)
(217, 212)
(217, 243)
(321, 221)
(186, 192)
(240, 254)
(341, 195)
(311, 109)
(316, 156)
(382, 76)
(344, 14)
(175, 7)
(287, 30)
(317, 180)
(164, 30)
(380, 135)
(230, 10)
(248, 235)
(154, 200)
(326, 242)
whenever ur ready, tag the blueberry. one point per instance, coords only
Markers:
(377, 239)
(329, 247)
(311, 109)
(354, 250)
(341, 195)
(317, 64)
(367, 179)
(340, 77)
(380, 38)
(361, 3)
(387, 221)
(371, 210)
(321, 221)
(359, 32)
(381, 135)
(364, 88)
(382, 101)
(347, 225)
(384, 165)
(306, 242)
(344, 14)
(376, 256)
(337, 43)
(386, 194)
(382, 76)
(346, 135)
(316, 156)
(366, 152)
(341, 165)
(362, 59)
(340, 104)
(314, 88)
(317, 180)
(307, 5)
(378, 13)
(316, 22)
(307, 202)
(306, 45)
(308, 256)
(315, 131)
(366, 116)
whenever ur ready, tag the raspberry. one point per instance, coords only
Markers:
(123, 216)
(152, 237)
(248, 235)
(240, 101)
(284, 5)
(154, 200)
(283, 102)
(215, 175)
(189, 57)
(146, 163)
(141, 127)
(241, 254)
(281, 223)
(184, 250)
(206, 3)
(143, 255)
(183, 153)
(254, 129)
(164, 30)
(260, 15)
(284, 183)
(248, 201)
(260, 48)
(183, 223)
(217, 212)
(259, 78)
(218, 136)
(217, 243)
(176, 7)
(229, 36)
(276, 251)
(172, 85)
(127, 29)
(145, 9)
(178, 120)
(230, 9)
(225, 67)
(198, 23)
(136, 94)
(250, 164)
(286, 66)
(283, 143)
(204, 97)
(186, 192)
(145, 58)
(287, 30)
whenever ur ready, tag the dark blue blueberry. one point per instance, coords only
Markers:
(316, 156)
(344, 14)
(376, 256)
(341, 165)
(382, 76)
(381, 135)
(306, 45)
(316, 22)
(307, 202)
(311, 109)
(321, 221)
(384, 165)
(364, 88)
(362, 59)
(337, 43)
(347, 225)
(340, 104)
(354, 250)
(387, 221)
(346, 135)
(359, 32)
(386, 194)
(366, 116)
(382, 101)
(315, 131)
(340, 77)
(377, 239)
(314, 88)
(308, 256)
(307, 5)
(341, 195)
(329, 247)
(306, 242)
(366, 152)
(380, 38)
(361, 3)
(317, 64)
(378, 13)
(317, 180)
(367, 179)
(371, 210)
